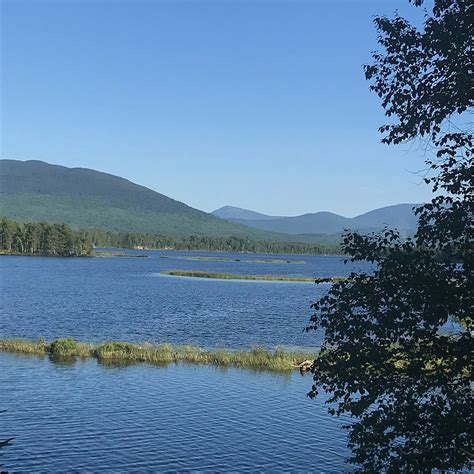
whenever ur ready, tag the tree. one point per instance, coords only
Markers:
(388, 358)
(7, 232)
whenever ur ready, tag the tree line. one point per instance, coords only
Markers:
(101, 238)
(41, 238)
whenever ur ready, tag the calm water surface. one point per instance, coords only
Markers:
(86, 417)
(127, 299)
(83, 416)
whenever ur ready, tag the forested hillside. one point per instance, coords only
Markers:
(84, 199)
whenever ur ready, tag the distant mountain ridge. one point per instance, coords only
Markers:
(85, 198)
(399, 216)
(231, 212)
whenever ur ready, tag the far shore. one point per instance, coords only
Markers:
(93, 254)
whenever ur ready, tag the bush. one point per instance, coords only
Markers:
(64, 347)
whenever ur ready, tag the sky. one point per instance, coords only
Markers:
(260, 104)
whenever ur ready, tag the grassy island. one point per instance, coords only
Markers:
(227, 259)
(116, 254)
(202, 259)
(125, 352)
(232, 276)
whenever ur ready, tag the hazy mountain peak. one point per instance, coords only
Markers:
(399, 216)
(232, 212)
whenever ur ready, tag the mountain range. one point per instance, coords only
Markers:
(400, 216)
(85, 198)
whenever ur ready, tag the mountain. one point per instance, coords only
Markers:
(231, 212)
(400, 216)
(85, 198)
(34, 191)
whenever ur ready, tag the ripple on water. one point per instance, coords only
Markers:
(96, 299)
(84, 416)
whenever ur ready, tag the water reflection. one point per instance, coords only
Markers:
(70, 361)
(62, 361)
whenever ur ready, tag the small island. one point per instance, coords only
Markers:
(200, 258)
(232, 276)
(107, 254)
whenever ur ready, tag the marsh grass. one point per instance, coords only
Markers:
(210, 259)
(232, 276)
(104, 254)
(200, 258)
(124, 353)
(39, 347)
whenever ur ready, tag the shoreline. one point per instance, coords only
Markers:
(93, 254)
(6, 253)
(159, 354)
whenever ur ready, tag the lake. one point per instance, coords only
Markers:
(87, 417)
(84, 416)
(96, 299)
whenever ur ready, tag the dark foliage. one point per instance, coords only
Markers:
(388, 359)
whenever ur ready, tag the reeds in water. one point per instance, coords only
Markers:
(117, 351)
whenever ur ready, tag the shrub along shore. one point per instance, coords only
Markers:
(125, 352)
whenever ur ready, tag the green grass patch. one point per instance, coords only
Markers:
(39, 347)
(159, 354)
(68, 347)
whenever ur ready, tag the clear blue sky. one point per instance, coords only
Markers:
(255, 103)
